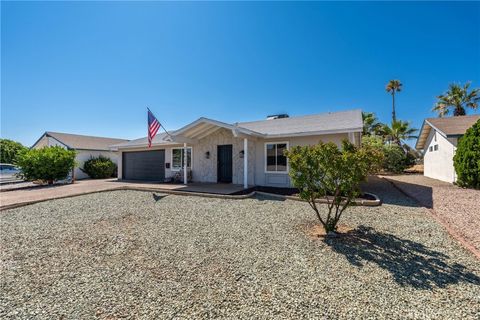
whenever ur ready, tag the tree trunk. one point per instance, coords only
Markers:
(459, 111)
(394, 118)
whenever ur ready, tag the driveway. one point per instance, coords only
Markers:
(42, 193)
(457, 208)
(143, 255)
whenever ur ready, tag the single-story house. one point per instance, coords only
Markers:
(438, 140)
(248, 153)
(85, 146)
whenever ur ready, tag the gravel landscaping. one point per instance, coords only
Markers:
(133, 254)
(458, 207)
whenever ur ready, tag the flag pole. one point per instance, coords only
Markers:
(168, 133)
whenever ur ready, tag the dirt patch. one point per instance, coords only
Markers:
(316, 231)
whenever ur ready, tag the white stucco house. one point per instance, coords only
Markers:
(438, 140)
(246, 153)
(85, 146)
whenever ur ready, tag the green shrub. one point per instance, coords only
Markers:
(99, 168)
(395, 159)
(325, 171)
(467, 158)
(48, 164)
(9, 150)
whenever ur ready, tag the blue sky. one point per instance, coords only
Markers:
(93, 68)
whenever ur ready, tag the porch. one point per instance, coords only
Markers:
(200, 187)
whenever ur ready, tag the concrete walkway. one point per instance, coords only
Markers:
(458, 209)
(42, 193)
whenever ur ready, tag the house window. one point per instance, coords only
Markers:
(430, 149)
(178, 158)
(275, 159)
(435, 147)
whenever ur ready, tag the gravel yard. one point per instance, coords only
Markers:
(132, 254)
(458, 207)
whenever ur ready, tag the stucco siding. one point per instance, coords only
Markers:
(438, 164)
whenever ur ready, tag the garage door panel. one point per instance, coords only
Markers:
(144, 165)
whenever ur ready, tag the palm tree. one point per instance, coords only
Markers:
(457, 99)
(399, 132)
(371, 125)
(393, 86)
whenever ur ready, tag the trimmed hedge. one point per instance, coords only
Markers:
(467, 158)
(100, 167)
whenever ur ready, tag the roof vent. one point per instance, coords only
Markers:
(277, 116)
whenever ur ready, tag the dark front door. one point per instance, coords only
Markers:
(144, 165)
(224, 163)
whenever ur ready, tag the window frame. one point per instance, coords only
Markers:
(172, 168)
(265, 157)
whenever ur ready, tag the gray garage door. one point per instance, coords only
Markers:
(144, 165)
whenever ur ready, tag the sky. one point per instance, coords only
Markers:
(94, 67)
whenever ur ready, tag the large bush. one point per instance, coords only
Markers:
(395, 158)
(47, 164)
(325, 171)
(99, 168)
(467, 158)
(9, 150)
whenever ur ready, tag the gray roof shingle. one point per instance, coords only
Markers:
(77, 141)
(324, 122)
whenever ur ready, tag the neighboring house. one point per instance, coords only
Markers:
(85, 146)
(438, 140)
(248, 153)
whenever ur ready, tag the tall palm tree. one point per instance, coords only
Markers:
(393, 86)
(398, 132)
(457, 99)
(371, 125)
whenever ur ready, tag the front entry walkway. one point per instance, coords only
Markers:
(42, 193)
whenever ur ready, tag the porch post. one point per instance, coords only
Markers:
(185, 160)
(245, 163)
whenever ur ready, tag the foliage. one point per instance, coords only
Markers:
(467, 158)
(371, 125)
(99, 168)
(9, 150)
(393, 86)
(325, 171)
(457, 99)
(395, 159)
(398, 132)
(47, 164)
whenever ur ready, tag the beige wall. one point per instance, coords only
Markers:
(438, 164)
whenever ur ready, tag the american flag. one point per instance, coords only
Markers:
(153, 126)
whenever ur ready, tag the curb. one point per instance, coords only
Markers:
(453, 233)
(361, 202)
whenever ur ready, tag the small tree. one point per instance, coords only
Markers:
(467, 158)
(9, 150)
(325, 171)
(47, 164)
(99, 168)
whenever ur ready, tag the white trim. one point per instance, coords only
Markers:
(265, 156)
(245, 163)
(171, 158)
(216, 123)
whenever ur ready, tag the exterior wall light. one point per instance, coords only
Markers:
(242, 154)
(207, 155)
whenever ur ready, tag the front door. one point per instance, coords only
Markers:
(224, 163)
